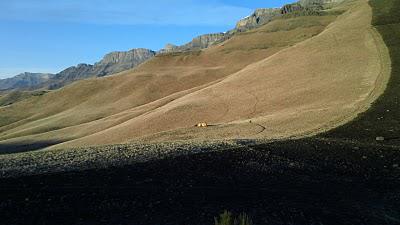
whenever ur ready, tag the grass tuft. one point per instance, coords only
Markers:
(227, 218)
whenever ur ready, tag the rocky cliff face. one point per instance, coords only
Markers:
(258, 18)
(290, 8)
(200, 42)
(204, 41)
(24, 81)
(311, 3)
(263, 16)
(116, 62)
(112, 63)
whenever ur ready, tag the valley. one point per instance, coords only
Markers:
(302, 127)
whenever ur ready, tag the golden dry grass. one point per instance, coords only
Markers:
(291, 77)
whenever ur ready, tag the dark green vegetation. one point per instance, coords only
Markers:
(383, 118)
(227, 218)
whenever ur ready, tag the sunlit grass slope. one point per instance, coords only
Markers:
(383, 118)
(292, 77)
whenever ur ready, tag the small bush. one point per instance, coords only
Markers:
(227, 218)
(243, 219)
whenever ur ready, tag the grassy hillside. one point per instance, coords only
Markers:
(383, 118)
(94, 105)
(303, 181)
(16, 96)
(292, 77)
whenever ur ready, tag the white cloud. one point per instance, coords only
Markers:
(156, 12)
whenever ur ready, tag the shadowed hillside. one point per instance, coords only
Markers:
(383, 118)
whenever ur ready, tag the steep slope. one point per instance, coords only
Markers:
(261, 76)
(308, 88)
(257, 19)
(383, 118)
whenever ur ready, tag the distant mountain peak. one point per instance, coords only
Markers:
(113, 62)
(131, 56)
(118, 61)
(24, 80)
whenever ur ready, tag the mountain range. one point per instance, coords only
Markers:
(303, 72)
(111, 63)
(292, 117)
(25, 80)
(116, 62)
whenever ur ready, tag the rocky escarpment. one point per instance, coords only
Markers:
(200, 42)
(112, 63)
(116, 62)
(259, 18)
(263, 16)
(24, 81)
(290, 8)
(311, 3)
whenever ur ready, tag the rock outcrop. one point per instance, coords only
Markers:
(200, 42)
(112, 63)
(290, 8)
(312, 3)
(116, 62)
(24, 81)
(258, 18)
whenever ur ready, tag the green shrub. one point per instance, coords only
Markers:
(243, 219)
(227, 218)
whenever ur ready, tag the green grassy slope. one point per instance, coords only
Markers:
(17, 96)
(383, 118)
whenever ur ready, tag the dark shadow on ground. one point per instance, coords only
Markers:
(295, 182)
(25, 147)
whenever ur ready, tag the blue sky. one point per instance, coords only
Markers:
(50, 35)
